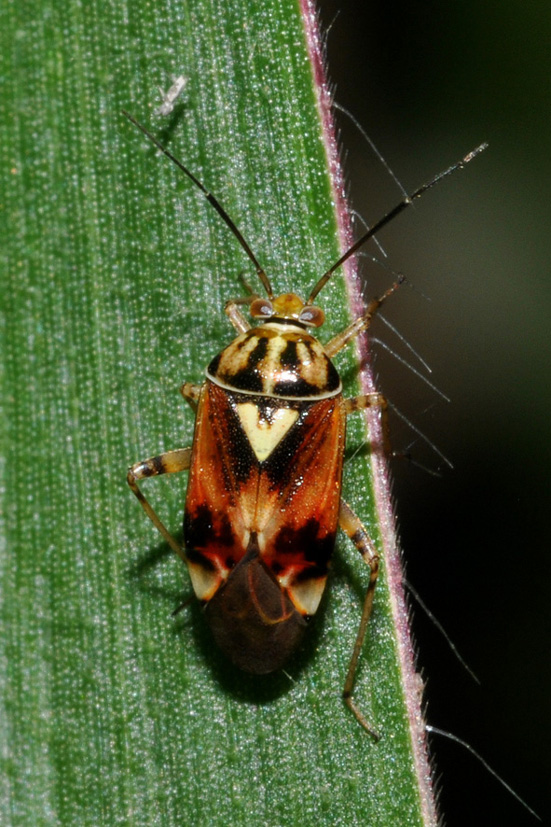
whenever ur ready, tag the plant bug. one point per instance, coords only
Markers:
(264, 491)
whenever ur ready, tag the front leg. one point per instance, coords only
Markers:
(171, 462)
(353, 330)
(236, 317)
(352, 526)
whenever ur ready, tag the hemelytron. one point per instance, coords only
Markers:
(263, 500)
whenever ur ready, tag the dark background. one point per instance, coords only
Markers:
(428, 82)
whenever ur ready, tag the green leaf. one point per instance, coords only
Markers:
(115, 273)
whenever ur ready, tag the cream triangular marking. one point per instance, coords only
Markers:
(263, 434)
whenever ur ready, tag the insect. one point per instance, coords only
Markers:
(170, 97)
(264, 498)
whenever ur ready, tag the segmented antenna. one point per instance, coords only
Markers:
(386, 219)
(211, 199)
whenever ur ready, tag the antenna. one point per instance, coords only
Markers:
(211, 199)
(407, 202)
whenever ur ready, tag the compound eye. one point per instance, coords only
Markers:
(261, 309)
(311, 315)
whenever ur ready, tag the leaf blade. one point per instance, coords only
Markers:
(116, 273)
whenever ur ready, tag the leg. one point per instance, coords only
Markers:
(372, 400)
(367, 400)
(231, 308)
(170, 462)
(362, 323)
(235, 315)
(352, 526)
(191, 393)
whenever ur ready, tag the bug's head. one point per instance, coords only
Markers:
(287, 307)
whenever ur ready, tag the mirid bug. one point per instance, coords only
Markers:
(264, 498)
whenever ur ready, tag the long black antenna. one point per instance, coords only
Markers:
(407, 202)
(212, 200)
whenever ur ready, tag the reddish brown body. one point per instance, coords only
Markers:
(260, 533)
(264, 493)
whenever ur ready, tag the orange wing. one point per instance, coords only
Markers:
(288, 499)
